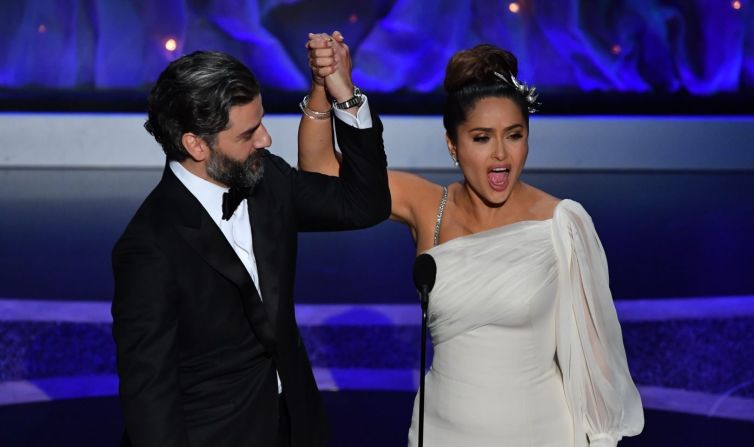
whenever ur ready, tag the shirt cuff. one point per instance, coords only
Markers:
(602, 440)
(363, 118)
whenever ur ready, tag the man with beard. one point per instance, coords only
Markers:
(208, 351)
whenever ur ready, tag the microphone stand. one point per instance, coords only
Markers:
(425, 272)
(424, 300)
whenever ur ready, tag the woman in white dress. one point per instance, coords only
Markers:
(527, 345)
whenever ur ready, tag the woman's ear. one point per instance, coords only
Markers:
(452, 150)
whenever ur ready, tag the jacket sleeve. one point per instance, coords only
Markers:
(602, 396)
(359, 197)
(145, 315)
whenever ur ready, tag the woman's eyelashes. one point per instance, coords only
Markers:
(485, 138)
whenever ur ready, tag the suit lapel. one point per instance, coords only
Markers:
(264, 215)
(201, 233)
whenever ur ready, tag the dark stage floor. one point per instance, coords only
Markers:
(364, 419)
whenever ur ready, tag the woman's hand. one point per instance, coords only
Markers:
(321, 57)
(330, 62)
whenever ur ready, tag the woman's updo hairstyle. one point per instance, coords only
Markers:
(470, 76)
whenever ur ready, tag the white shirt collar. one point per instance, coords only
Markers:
(209, 194)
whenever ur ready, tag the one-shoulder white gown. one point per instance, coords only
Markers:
(527, 346)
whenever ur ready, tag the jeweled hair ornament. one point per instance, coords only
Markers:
(529, 93)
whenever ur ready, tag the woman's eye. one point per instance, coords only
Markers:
(481, 139)
(515, 136)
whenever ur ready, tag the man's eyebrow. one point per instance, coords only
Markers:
(252, 129)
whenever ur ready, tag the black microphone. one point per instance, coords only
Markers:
(425, 272)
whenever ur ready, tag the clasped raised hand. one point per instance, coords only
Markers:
(330, 61)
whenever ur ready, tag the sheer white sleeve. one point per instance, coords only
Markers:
(600, 392)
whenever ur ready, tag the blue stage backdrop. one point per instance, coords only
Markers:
(703, 47)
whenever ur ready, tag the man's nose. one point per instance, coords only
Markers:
(264, 140)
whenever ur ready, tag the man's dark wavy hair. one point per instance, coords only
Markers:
(194, 94)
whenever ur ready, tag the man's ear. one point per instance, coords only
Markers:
(196, 147)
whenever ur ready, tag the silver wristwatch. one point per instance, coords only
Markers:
(356, 100)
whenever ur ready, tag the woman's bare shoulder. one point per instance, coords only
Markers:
(411, 193)
(415, 202)
(540, 203)
(410, 179)
(412, 187)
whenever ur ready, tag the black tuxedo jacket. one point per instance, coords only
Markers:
(197, 349)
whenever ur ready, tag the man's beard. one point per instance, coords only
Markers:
(232, 172)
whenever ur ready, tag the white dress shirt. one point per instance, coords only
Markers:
(237, 229)
(363, 118)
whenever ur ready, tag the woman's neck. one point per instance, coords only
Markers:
(479, 213)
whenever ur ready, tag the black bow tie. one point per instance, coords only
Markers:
(232, 199)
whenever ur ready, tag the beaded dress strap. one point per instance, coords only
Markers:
(440, 211)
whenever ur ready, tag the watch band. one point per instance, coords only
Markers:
(356, 100)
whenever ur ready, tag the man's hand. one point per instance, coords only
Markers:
(321, 56)
(330, 61)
